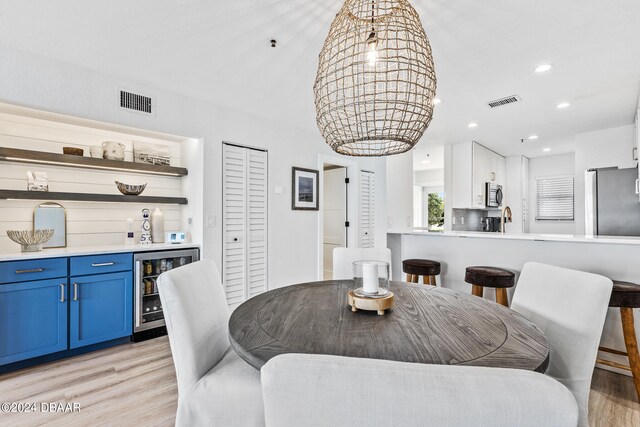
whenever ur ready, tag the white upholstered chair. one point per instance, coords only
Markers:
(569, 307)
(320, 390)
(343, 259)
(215, 386)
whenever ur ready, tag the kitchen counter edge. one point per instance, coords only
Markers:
(93, 250)
(619, 240)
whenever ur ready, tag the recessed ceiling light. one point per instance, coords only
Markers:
(532, 137)
(546, 150)
(436, 101)
(563, 105)
(542, 68)
(472, 125)
(425, 162)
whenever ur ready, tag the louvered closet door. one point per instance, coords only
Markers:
(257, 223)
(367, 210)
(245, 222)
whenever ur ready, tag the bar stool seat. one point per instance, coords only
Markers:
(428, 269)
(481, 277)
(626, 296)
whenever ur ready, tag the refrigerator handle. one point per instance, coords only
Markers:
(138, 309)
(637, 186)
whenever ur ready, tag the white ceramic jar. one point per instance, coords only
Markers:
(112, 150)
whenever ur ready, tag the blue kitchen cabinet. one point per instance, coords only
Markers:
(33, 319)
(100, 307)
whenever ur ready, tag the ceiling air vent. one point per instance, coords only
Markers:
(504, 101)
(136, 102)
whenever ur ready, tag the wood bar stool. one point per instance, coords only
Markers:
(421, 267)
(626, 296)
(482, 277)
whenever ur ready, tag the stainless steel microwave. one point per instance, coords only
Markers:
(493, 195)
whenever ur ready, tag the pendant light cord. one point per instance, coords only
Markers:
(373, 15)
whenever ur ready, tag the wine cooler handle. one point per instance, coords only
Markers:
(61, 292)
(75, 292)
(138, 307)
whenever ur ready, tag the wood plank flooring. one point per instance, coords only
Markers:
(135, 384)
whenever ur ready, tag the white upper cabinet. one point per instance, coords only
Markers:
(473, 165)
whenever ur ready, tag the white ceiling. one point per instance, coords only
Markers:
(218, 51)
(428, 157)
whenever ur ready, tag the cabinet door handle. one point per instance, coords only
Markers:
(61, 292)
(32, 270)
(75, 292)
(102, 264)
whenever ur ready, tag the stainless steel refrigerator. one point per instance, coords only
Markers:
(612, 206)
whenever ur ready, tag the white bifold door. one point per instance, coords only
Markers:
(367, 209)
(244, 222)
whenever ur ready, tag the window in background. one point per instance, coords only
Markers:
(554, 198)
(435, 209)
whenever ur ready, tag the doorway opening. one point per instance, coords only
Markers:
(335, 214)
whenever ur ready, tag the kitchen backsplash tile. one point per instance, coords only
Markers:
(471, 219)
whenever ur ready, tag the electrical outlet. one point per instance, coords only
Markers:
(211, 221)
(389, 223)
(409, 222)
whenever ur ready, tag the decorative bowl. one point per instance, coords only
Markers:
(31, 241)
(130, 189)
(73, 151)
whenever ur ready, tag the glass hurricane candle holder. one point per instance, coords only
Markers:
(371, 278)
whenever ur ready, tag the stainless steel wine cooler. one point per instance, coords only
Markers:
(148, 315)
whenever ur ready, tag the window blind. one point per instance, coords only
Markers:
(554, 198)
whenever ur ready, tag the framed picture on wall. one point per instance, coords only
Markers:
(304, 189)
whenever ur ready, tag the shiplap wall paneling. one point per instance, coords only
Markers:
(88, 224)
(245, 222)
(42, 135)
(367, 209)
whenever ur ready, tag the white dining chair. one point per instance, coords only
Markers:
(321, 390)
(215, 386)
(343, 259)
(569, 306)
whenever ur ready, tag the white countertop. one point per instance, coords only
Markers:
(621, 240)
(91, 250)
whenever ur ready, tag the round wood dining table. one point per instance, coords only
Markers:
(426, 324)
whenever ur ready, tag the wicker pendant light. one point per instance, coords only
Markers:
(376, 81)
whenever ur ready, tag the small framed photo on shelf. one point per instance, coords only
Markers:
(304, 189)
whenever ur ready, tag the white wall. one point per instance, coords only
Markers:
(603, 148)
(39, 82)
(429, 178)
(539, 167)
(399, 186)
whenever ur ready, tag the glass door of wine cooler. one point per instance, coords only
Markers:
(148, 307)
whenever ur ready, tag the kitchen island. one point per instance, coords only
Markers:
(615, 257)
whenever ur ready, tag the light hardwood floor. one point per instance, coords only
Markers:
(135, 384)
